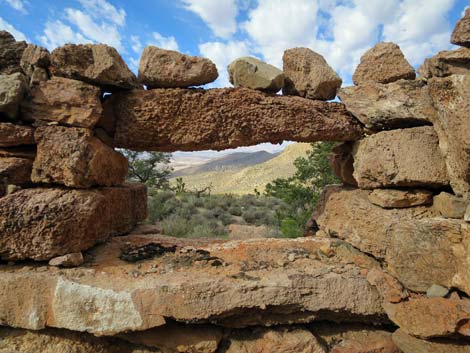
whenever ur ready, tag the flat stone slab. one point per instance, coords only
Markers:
(191, 120)
(276, 281)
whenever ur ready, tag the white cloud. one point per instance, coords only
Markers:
(97, 21)
(219, 15)
(18, 5)
(5, 26)
(222, 54)
(136, 44)
(163, 42)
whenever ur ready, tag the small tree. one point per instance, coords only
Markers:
(150, 168)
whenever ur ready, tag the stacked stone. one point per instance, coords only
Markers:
(406, 190)
(62, 188)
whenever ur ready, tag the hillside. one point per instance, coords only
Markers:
(232, 161)
(244, 181)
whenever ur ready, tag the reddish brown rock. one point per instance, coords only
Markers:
(275, 340)
(75, 158)
(65, 101)
(394, 198)
(28, 152)
(182, 119)
(404, 158)
(451, 206)
(170, 69)
(431, 317)
(400, 104)
(69, 260)
(97, 64)
(426, 251)
(11, 52)
(446, 63)
(15, 135)
(34, 57)
(347, 214)
(15, 171)
(410, 344)
(42, 223)
(342, 162)
(309, 75)
(451, 97)
(13, 88)
(389, 288)
(384, 63)
(461, 33)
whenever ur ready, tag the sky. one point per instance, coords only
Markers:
(223, 30)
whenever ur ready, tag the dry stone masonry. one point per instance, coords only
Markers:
(384, 270)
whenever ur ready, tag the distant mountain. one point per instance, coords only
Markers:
(233, 161)
(247, 179)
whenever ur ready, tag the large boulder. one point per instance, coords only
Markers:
(450, 206)
(15, 135)
(461, 33)
(384, 63)
(65, 101)
(285, 340)
(451, 97)
(97, 64)
(432, 317)
(252, 73)
(16, 171)
(75, 158)
(400, 104)
(11, 52)
(400, 158)
(170, 69)
(446, 63)
(410, 344)
(347, 213)
(425, 251)
(191, 120)
(394, 198)
(43, 223)
(35, 57)
(309, 75)
(279, 281)
(12, 91)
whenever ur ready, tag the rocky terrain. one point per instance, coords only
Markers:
(383, 270)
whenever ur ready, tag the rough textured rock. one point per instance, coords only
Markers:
(461, 33)
(10, 53)
(394, 198)
(347, 214)
(431, 317)
(404, 158)
(15, 171)
(170, 69)
(342, 162)
(354, 338)
(410, 344)
(62, 341)
(451, 206)
(66, 101)
(179, 338)
(427, 251)
(389, 288)
(384, 63)
(44, 223)
(467, 214)
(309, 75)
(186, 284)
(283, 340)
(252, 73)
(97, 64)
(34, 57)
(69, 260)
(75, 158)
(15, 135)
(446, 63)
(12, 91)
(451, 97)
(400, 104)
(189, 120)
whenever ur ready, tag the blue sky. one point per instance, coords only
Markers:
(340, 30)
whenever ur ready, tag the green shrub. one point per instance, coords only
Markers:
(290, 228)
(176, 226)
(235, 211)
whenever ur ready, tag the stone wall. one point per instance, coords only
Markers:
(384, 268)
